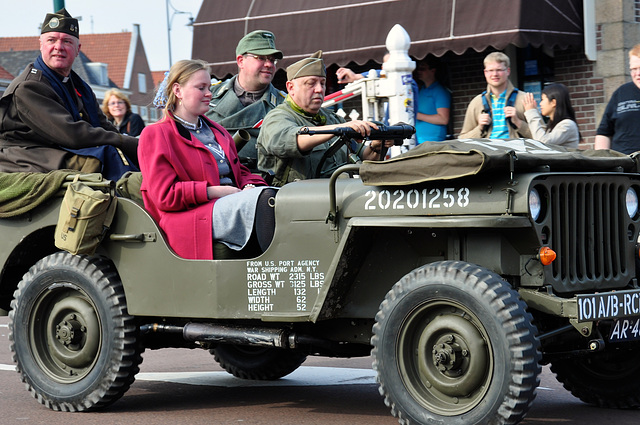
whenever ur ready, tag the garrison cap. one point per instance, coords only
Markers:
(259, 42)
(312, 66)
(61, 21)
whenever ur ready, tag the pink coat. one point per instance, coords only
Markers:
(176, 171)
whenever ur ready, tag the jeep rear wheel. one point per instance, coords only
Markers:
(454, 344)
(257, 363)
(74, 344)
(607, 379)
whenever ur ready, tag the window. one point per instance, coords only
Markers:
(142, 83)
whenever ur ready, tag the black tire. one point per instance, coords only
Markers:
(72, 339)
(454, 344)
(257, 363)
(607, 379)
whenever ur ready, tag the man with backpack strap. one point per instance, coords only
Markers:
(497, 113)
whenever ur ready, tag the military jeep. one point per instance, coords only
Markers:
(460, 267)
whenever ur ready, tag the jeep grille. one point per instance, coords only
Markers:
(588, 227)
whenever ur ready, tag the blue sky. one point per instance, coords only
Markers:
(100, 17)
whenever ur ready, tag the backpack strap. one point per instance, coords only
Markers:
(485, 103)
(510, 102)
(486, 109)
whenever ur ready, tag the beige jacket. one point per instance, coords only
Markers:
(472, 130)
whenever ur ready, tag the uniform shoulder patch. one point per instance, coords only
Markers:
(34, 74)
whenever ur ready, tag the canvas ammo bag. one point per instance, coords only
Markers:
(85, 217)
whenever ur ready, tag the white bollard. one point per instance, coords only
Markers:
(397, 85)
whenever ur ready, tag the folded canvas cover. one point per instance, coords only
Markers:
(466, 157)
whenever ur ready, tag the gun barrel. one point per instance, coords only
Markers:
(384, 132)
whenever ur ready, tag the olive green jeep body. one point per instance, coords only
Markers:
(439, 273)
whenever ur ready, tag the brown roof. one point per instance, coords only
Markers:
(18, 44)
(5, 75)
(157, 76)
(111, 48)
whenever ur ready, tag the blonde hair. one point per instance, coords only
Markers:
(497, 57)
(117, 93)
(180, 73)
(635, 51)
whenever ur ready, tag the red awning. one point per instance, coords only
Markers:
(356, 30)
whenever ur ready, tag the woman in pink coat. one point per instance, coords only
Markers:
(193, 183)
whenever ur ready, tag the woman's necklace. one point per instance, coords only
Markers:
(189, 125)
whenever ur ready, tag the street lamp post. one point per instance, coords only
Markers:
(169, 22)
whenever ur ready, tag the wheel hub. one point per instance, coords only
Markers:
(448, 355)
(70, 332)
(452, 356)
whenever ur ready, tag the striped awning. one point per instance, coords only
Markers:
(356, 30)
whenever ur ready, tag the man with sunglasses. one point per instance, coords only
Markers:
(241, 102)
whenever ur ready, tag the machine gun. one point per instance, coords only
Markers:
(397, 133)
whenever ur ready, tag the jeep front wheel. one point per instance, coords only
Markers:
(257, 363)
(454, 344)
(73, 341)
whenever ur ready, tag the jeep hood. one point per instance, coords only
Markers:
(466, 157)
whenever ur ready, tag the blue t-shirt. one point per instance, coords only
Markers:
(429, 100)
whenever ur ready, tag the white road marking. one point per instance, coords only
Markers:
(302, 377)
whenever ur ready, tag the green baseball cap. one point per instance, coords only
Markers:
(259, 42)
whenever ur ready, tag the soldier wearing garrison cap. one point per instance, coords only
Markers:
(292, 156)
(242, 102)
(50, 118)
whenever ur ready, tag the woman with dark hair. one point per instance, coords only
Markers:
(555, 103)
(117, 108)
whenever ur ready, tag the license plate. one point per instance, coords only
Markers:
(608, 305)
(625, 330)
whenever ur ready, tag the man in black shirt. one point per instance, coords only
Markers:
(620, 126)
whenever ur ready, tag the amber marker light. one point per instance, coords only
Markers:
(546, 255)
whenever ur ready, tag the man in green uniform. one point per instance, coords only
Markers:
(241, 102)
(50, 118)
(292, 156)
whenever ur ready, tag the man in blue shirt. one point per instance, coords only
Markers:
(434, 103)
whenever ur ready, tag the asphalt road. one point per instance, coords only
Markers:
(187, 387)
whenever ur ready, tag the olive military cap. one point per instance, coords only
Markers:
(312, 66)
(61, 21)
(259, 42)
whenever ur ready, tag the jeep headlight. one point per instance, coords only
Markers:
(535, 204)
(632, 202)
